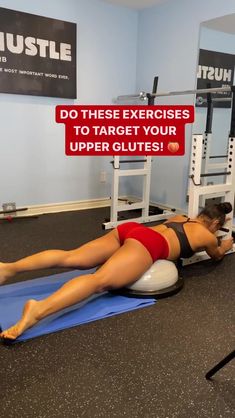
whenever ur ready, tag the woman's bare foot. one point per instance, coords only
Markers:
(5, 272)
(29, 318)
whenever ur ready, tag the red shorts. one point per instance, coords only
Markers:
(154, 242)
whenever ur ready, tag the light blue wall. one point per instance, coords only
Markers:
(119, 51)
(168, 41)
(34, 169)
(221, 42)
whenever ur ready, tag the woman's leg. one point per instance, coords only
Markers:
(124, 267)
(88, 255)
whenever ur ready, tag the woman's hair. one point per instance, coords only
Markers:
(217, 211)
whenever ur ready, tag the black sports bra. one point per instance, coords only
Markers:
(185, 248)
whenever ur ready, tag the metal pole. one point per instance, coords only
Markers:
(142, 95)
(232, 125)
(222, 99)
(209, 115)
(221, 364)
(151, 96)
(198, 91)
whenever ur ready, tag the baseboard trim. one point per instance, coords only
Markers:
(37, 210)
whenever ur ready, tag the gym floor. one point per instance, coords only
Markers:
(146, 363)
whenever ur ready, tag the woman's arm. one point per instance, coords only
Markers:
(217, 251)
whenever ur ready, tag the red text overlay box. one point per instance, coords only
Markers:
(125, 130)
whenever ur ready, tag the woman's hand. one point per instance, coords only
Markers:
(227, 244)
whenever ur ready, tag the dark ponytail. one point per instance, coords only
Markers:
(217, 211)
(225, 207)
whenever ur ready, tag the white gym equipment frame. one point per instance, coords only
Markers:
(207, 165)
(197, 189)
(201, 168)
(117, 204)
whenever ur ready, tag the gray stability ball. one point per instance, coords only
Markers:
(161, 275)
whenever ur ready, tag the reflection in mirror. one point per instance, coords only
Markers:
(216, 62)
(216, 66)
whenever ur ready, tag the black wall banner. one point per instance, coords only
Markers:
(216, 69)
(37, 55)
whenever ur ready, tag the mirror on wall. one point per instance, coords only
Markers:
(216, 62)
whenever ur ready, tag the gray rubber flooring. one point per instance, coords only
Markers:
(146, 363)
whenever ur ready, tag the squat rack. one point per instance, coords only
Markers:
(200, 169)
(207, 158)
(145, 172)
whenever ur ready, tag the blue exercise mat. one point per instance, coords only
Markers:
(14, 296)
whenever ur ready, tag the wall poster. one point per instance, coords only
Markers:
(37, 55)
